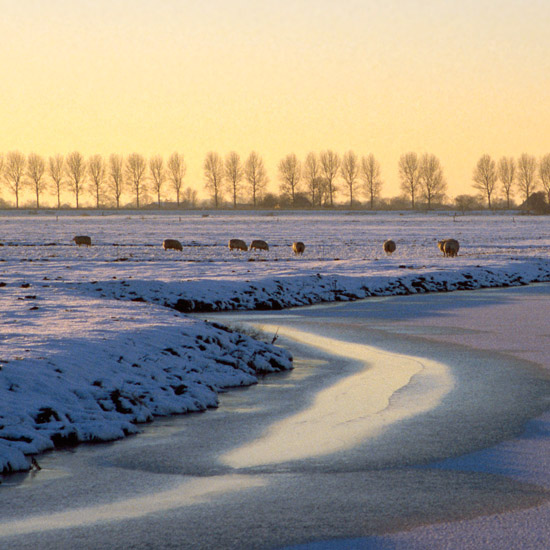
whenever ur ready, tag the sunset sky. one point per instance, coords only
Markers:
(453, 78)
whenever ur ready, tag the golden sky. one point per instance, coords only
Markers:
(453, 78)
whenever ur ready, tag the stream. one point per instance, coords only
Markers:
(341, 447)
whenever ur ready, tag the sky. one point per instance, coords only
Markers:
(454, 78)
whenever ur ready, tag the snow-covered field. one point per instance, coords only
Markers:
(88, 348)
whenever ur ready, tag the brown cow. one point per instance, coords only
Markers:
(298, 247)
(449, 247)
(259, 245)
(237, 244)
(171, 244)
(82, 240)
(389, 246)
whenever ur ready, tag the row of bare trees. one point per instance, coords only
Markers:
(319, 177)
(422, 176)
(231, 174)
(525, 175)
(315, 181)
(323, 175)
(105, 179)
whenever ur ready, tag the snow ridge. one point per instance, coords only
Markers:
(290, 291)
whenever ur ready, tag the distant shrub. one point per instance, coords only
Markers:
(469, 202)
(537, 203)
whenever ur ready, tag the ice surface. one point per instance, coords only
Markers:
(349, 411)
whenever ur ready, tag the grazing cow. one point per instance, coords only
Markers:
(171, 244)
(237, 244)
(449, 247)
(298, 247)
(389, 246)
(259, 245)
(82, 240)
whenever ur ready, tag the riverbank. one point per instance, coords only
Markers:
(192, 482)
(76, 369)
(68, 312)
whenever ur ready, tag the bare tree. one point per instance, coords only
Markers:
(350, 171)
(36, 166)
(322, 195)
(158, 174)
(76, 171)
(233, 171)
(213, 176)
(370, 173)
(507, 173)
(312, 171)
(255, 175)
(176, 172)
(135, 174)
(485, 177)
(96, 171)
(527, 175)
(330, 168)
(116, 176)
(432, 182)
(190, 197)
(14, 172)
(290, 173)
(544, 174)
(409, 173)
(56, 171)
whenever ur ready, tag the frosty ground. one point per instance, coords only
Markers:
(94, 341)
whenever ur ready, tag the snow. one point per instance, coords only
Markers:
(88, 369)
(88, 348)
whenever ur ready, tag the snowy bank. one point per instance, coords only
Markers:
(82, 370)
(275, 293)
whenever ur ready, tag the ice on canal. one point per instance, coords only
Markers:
(359, 406)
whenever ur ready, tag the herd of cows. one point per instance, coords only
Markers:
(449, 247)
